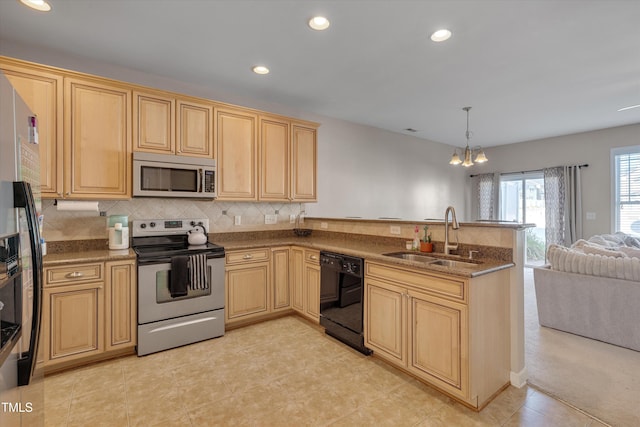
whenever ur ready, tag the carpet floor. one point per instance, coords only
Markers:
(601, 379)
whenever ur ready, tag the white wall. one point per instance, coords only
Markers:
(592, 148)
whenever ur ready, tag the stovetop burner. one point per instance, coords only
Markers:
(178, 249)
(164, 238)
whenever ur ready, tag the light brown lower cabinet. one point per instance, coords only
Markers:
(88, 312)
(247, 285)
(305, 280)
(280, 283)
(448, 331)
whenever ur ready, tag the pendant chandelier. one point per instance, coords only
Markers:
(476, 152)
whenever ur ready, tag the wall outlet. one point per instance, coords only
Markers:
(271, 219)
(324, 225)
(237, 220)
(394, 229)
(292, 219)
(591, 215)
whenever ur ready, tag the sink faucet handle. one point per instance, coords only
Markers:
(471, 253)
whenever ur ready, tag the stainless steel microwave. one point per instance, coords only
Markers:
(162, 175)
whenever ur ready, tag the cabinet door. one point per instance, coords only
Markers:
(97, 140)
(297, 279)
(120, 310)
(74, 317)
(280, 279)
(274, 159)
(247, 291)
(195, 129)
(236, 143)
(42, 92)
(312, 291)
(385, 320)
(153, 123)
(438, 346)
(304, 163)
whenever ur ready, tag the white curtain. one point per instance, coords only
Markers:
(563, 205)
(486, 191)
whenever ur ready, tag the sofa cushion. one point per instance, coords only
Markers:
(575, 261)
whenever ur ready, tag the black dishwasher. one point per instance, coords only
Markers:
(342, 297)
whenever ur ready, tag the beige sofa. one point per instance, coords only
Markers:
(592, 290)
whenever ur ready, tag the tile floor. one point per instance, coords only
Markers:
(284, 372)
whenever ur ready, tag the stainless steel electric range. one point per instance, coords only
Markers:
(180, 286)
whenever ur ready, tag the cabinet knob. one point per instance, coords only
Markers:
(75, 274)
(313, 257)
(247, 256)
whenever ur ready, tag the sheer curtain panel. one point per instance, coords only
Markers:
(563, 205)
(486, 190)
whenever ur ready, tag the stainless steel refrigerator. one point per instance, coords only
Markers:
(21, 377)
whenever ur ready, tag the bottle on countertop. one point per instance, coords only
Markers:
(416, 239)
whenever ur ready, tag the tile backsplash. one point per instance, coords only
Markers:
(78, 225)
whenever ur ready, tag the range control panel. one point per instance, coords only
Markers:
(162, 227)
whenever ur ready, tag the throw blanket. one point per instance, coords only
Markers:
(576, 261)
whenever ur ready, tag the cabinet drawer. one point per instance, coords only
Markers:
(312, 256)
(435, 284)
(254, 255)
(69, 274)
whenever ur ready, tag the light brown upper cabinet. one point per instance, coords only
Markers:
(237, 145)
(89, 126)
(195, 128)
(154, 125)
(97, 139)
(274, 158)
(166, 124)
(42, 92)
(304, 162)
(287, 160)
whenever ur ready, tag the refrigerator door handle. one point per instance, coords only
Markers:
(23, 198)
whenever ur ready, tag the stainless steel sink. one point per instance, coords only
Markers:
(455, 264)
(412, 257)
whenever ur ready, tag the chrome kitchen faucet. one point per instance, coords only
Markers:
(454, 224)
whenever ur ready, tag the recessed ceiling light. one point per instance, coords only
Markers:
(629, 107)
(40, 5)
(319, 23)
(441, 35)
(260, 69)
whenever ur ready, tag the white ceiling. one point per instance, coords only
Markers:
(530, 69)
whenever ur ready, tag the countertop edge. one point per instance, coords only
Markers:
(78, 257)
(373, 252)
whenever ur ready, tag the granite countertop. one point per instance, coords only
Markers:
(370, 251)
(84, 256)
(371, 248)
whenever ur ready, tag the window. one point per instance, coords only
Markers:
(626, 189)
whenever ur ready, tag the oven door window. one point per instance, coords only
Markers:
(162, 288)
(154, 178)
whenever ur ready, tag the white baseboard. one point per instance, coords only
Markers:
(519, 379)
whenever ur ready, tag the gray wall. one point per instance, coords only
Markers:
(370, 173)
(593, 148)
